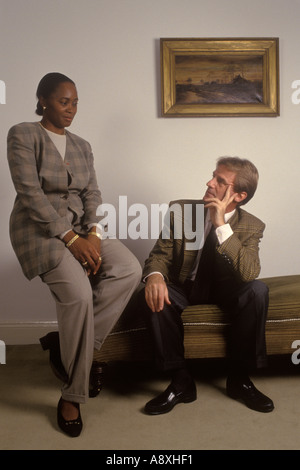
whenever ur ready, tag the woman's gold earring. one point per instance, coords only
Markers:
(44, 107)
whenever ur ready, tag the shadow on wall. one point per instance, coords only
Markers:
(140, 248)
(23, 300)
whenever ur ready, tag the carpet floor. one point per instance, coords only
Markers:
(114, 420)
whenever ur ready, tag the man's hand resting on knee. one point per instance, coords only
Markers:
(156, 292)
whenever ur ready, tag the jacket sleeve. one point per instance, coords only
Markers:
(21, 153)
(91, 195)
(241, 250)
(160, 259)
(161, 256)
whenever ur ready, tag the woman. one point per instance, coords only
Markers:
(56, 235)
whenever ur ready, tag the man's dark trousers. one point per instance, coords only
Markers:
(246, 307)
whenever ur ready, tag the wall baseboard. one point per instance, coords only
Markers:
(25, 333)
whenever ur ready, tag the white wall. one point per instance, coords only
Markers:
(110, 48)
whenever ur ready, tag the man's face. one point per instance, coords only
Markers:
(218, 185)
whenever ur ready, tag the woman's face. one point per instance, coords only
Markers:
(61, 107)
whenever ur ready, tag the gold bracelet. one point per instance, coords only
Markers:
(70, 242)
(96, 234)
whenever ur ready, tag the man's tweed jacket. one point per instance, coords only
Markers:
(48, 187)
(237, 259)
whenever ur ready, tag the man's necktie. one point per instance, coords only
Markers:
(201, 289)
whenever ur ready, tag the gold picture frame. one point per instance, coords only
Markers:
(220, 77)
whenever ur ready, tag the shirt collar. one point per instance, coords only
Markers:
(228, 215)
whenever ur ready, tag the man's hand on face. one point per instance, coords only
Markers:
(218, 208)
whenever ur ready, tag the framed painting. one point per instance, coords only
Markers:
(220, 77)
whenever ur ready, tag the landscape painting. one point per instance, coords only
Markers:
(219, 77)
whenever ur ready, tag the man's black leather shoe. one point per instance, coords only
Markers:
(166, 401)
(248, 393)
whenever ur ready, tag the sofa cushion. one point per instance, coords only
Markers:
(206, 327)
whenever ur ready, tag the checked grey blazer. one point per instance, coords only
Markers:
(48, 188)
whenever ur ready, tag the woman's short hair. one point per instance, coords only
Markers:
(47, 86)
(246, 175)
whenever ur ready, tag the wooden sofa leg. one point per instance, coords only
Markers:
(97, 378)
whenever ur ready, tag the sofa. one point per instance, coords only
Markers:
(206, 327)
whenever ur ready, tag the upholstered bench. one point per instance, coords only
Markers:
(206, 328)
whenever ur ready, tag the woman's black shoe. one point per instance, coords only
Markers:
(72, 427)
(51, 342)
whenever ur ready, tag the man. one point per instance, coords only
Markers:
(224, 272)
